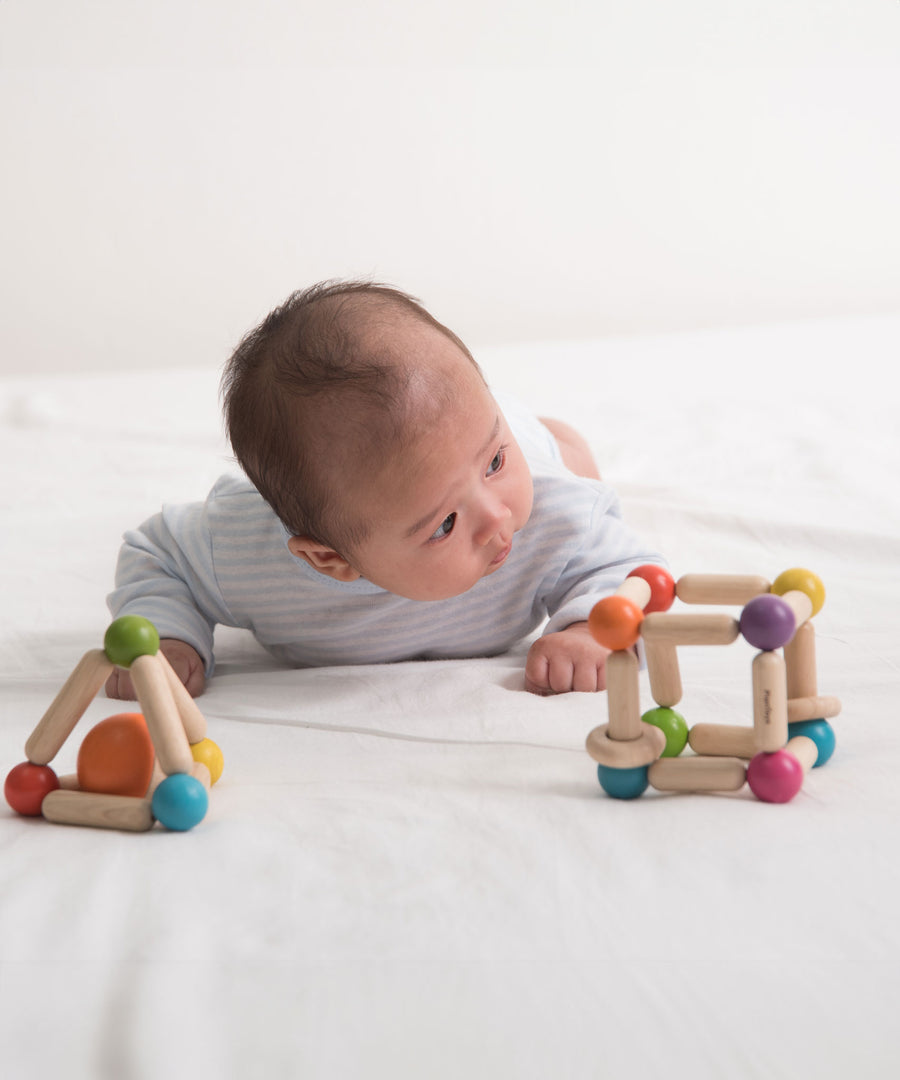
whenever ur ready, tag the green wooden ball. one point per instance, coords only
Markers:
(129, 637)
(673, 725)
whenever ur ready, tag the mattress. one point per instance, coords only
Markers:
(411, 869)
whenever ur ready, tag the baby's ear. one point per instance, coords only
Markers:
(324, 559)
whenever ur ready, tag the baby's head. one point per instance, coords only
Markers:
(347, 408)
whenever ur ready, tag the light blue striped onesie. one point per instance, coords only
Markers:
(226, 561)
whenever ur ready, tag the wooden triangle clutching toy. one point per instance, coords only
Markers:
(133, 768)
(790, 733)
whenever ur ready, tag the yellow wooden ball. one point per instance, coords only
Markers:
(800, 580)
(210, 755)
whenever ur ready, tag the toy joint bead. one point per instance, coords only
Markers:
(767, 622)
(26, 785)
(673, 725)
(180, 802)
(798, 579)
(615, 622)
(662, 586)
(623, 783)
(129, 637)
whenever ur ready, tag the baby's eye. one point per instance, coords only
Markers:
(445, 527)
(496, 462)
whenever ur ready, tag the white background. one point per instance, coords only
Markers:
(533, 171)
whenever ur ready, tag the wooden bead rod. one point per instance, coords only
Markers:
(193, 721)
(720, 588)
(100, 811)
(804, 750)
(623, 696)
(67, 708)
(698, 774)
(770, 718)
(690, 628)
(664, 672)
(813, 708)
(800, 657)
(636, 590)
(161, 714)
(800, 604)
(723, 740)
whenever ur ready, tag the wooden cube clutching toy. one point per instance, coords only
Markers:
(790, 732)
(133, 768)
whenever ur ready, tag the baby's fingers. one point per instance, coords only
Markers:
(120, 687)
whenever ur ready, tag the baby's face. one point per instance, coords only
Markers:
(445, 514)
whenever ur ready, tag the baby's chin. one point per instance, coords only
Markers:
(428, 594)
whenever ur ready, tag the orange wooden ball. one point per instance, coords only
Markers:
(615, 622)
(116, 756)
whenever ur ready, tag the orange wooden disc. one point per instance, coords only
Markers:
(116, 756)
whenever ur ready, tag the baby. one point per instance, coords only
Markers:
(395, 509)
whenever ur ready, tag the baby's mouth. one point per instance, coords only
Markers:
(500, 558)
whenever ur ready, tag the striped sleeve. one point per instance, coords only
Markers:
(607, 550)
(165, 573)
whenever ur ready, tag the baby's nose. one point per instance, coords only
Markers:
(495, 514)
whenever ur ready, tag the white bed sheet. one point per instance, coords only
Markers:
(410, 870)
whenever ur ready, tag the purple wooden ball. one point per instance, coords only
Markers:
(767, 622)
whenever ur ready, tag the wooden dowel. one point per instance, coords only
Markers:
(664, 672)
(698, 774)
(637, 590)
(201, 772)
(720, 588)
(800, 657)
(800, 604)
(623, 695)
(770, 718)
(813, 708)
(67, 708)
(69, 782)
(156, 778)
(690, 628)
(98, 811)
(723, 740)
(804, 750)
(160, 712)
(192, 719)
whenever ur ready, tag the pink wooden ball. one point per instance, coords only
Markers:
(775, 777)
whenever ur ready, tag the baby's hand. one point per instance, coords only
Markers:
(185, 661)
(567, 660)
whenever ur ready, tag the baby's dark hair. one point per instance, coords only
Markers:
(328, 342)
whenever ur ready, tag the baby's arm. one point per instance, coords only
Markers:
(165, 574)
(186, 663)
(566, 660)
(566, 657)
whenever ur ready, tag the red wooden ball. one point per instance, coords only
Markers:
(116, 756)
(26, 785)
(662, 586)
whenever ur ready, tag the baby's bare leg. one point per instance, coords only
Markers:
(573, 446)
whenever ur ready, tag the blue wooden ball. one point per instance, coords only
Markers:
(623, 783)
(180, 802)
(821, 733)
